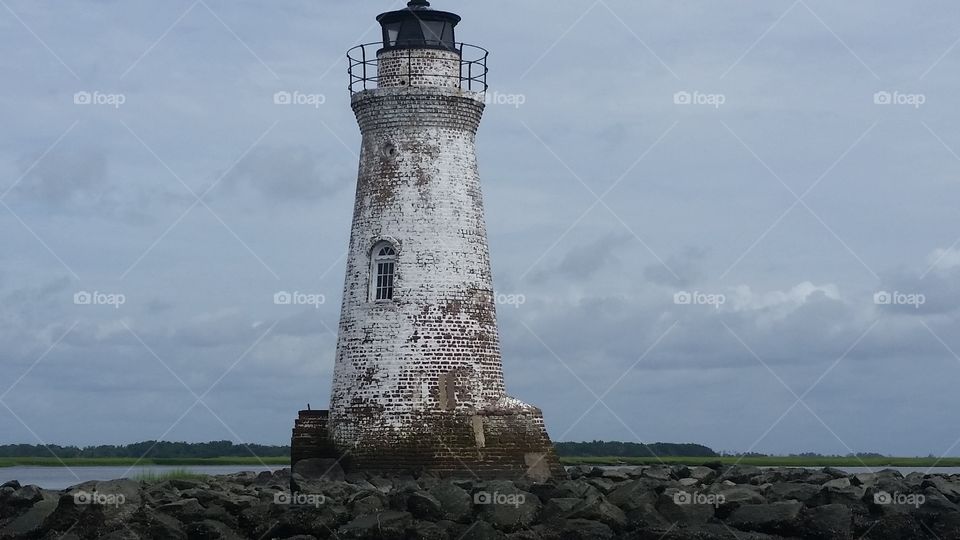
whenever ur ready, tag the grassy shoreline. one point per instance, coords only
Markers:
(767, 461)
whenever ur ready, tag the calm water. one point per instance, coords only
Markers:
(60, 477)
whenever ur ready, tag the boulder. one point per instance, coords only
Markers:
(778, 517)
(11, 484)
(367, 503)
(506, 507)
(705, 475)
(830, 521)
(25, 496)
(635, 493)
(455, 502)
(949, 488)
(388, 525)
(317, 469)
(33, 521)
(585, 529)
(791, 491)
(677, 510)
(152, 524)
(211, 530)
(425, 506)
(599, 509)
(184, 509)
(658, 472)
(741, 474)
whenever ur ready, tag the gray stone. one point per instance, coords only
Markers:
(368, 503)
(830, 521)
(658, 472)
(506, 507)
(771, 518)
(599, 509)
(182, 509)
(559, 507)
(791, 491)
(585, 529)
(209, 529)
(425, 506)
(684, 514)
(705, 475)
(25, 496)
(949, 488)
(456, 503)
(838, 484)
(741, 474)
(319, 469)
(635, 493)
(11, 484)
(32, 521)
(739, 494)
(604, 485)
(157, 525)
(425, 530)
(389, 525)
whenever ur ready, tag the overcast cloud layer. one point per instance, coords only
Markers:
(814, 167)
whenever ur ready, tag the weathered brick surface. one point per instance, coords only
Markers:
(418, 381)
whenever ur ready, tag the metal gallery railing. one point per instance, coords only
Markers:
(364, 68)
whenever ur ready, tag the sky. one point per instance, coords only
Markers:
(729, 223)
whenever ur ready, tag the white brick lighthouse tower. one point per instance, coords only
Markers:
(418, 381)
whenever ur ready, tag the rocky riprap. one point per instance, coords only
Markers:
(657, 502)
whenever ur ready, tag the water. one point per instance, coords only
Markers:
(61, 477)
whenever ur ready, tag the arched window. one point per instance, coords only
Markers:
(382, 271)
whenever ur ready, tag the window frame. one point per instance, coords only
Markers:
(383, 281)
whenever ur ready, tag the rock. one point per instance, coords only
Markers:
(211, 530)
(599, 509)
(368, 503)
(31, 522)
(182, 509)
(152, 524)
(506, 507)
(741, 474)
(617, 475)
(950, 489)
(25, 496)
(634, 494)
(770, 518)
(604, 485)
(11, 484)
(830, 521)
(705, 475)
(865, 479)
(738, 494)
(835, 473)
(456, 503)
(116, 500)
(791, 491)
(317, 470)
(688, 482)
(677, 510)
(646, 516)
(838, 484)
(481, 530)
(425, 506)
(425, 530)
(585, 529)
(387, 525)
(659, 472)
(559, 507)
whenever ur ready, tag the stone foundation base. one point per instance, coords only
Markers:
(493, 444)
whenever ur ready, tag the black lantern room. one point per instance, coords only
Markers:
(419, 27)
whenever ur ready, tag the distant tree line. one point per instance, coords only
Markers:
(148, 449)
(631, 449)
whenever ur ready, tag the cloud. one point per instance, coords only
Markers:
(294, 173)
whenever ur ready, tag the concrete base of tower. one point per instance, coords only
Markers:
(507, 441)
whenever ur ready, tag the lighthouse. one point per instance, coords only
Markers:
(418, 381)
